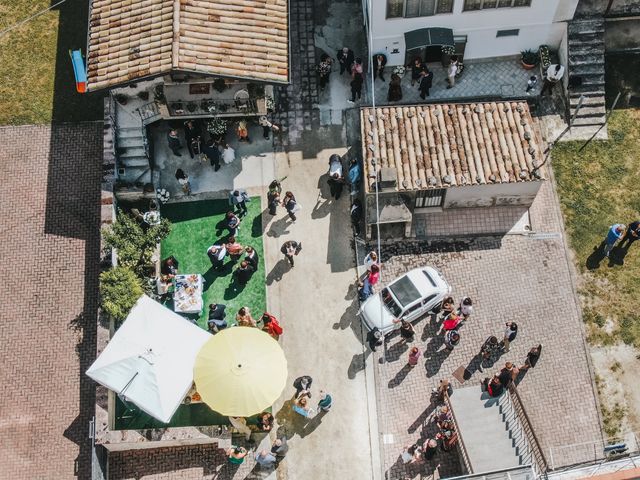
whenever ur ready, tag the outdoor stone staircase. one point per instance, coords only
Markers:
(132, 156)
(586, 60)
(488, 430)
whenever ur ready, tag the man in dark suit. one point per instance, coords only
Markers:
(345, 58)
(193, 136)
(210, 149)
(252, 257)
(243, 273)
(379, 62)
(426, 80)
(216, 320)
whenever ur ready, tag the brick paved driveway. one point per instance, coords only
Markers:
(49, 252)
(521, 278)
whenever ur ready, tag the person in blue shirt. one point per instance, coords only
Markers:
(355, 175)
(615, 233)
(325, 402)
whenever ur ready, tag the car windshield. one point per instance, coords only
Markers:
(390, 303)
(405, 291)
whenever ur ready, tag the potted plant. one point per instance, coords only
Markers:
(143, 95)
(158, 93)
(529, 59)
(545, 57)
(121, 99)
(191, 107)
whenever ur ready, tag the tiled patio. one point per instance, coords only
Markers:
(501, 79)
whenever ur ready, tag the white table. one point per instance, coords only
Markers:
(187, 296)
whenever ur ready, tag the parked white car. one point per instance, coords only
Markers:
(408, 297)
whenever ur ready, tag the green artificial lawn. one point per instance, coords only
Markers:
(597, 188)
(195, 227)
(193, 231)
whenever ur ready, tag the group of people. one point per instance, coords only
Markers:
(337, 180)
(302, 399)
(212, 148)
(420, 75)
(621, 235)
(217, 320)
(236, 454)
(348, 63)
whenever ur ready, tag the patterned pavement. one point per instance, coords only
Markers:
(49, 246)
(518, 278)
(481, 78)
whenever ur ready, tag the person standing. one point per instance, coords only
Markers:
(374, 339)
(216, 254)
(532, 358)
(271, 326)
(238, 199)
(291, 249)
(554, 75)
(235, 455)
(414, 356)
(210, 149)
(451, 339)
(252, 257)
(266, 126)
(233, 223)
(290, 205)
(234, 249)
(356, 87)
(228, 154)
(531, 84)
(192, 135)
(355, 174)
(216, 320)
(615, 233)
(325, 402)
(356, 68)
(174, 142)
(273, 200)
(244, 318)
(379, 62)
(407, 332)
(426, 80)
(466, 307)
(345, 59)
(489, 348)
(416, 68)
(510, 333)
(302, 383)
(183, 180)
(508, 374)
(370, 260)
(633, 234)
(395, 88)
(324, 70)
(244, 272)
(452, 70)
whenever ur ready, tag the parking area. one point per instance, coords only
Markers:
(521, 278)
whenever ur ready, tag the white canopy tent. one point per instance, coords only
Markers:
(150, 358)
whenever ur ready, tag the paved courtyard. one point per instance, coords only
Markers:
(49, 248)
(521, 278)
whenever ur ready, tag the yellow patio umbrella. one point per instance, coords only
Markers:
(240, 371)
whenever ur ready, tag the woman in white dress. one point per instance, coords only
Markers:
(228, 154)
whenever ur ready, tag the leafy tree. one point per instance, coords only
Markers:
(135, 245)
(120, 289)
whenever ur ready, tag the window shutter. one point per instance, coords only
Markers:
(394, 8)
(412, 8)
(427, 7)
(472, 5)
(490, 3)
(504, 3)
(522, 3)
(445, 6)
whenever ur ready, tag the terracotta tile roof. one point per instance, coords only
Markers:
(443, 145)
(130, 39)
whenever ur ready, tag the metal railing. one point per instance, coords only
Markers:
(462, 449)
(522, 430)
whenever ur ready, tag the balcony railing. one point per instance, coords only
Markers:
(221, 108)
(522, 431)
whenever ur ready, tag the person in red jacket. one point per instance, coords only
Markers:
(271, 326)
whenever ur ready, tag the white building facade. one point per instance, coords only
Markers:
(479, 28)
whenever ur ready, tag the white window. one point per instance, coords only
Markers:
(417, 8)
(470, 5)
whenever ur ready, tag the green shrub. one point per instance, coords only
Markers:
(134, 245)
(120, 289)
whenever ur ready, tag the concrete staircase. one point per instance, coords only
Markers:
(586, 60)
(487, 430)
